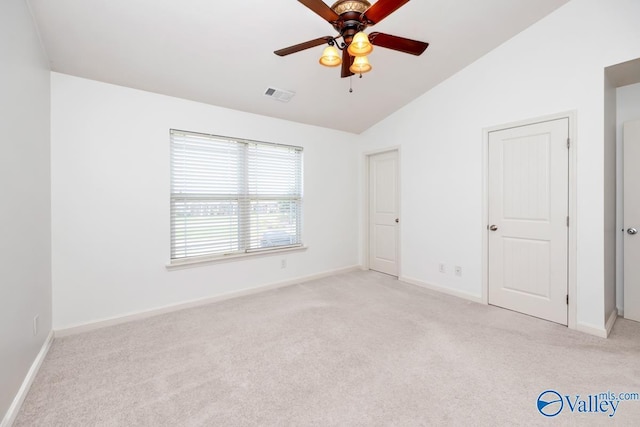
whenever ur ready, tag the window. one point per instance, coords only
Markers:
(233, 196)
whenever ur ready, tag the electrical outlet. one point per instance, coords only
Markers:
(443, 269)
(35, 325)
(283, 263)
(458, 271)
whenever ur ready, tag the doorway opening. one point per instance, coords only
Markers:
(622, 105)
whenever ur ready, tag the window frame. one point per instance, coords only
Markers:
(244, 199)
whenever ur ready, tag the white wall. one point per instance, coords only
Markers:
(110, 192)
(25, 257)
(554, 66)
(628, 108)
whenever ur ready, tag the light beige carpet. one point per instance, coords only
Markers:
(359, 349)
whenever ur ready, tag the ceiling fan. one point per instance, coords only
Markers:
(350, 18)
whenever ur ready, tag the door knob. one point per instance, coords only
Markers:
(397, 220)
(632, 231)
(493, 228)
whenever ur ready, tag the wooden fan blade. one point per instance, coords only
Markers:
(414, 47)
(347, 61)
(320, 8)
(302, 46)
(381, 9)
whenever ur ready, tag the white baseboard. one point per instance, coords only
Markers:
(620, 312)
(599, 331)
(454, 292)
(12, 413)
(97, 324)
(611, 321)
(591, 330)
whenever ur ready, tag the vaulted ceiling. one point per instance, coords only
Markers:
(221, 52)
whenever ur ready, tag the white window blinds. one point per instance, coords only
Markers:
(232, 196)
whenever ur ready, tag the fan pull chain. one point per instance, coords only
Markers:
(350, 85)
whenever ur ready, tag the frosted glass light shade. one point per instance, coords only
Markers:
(330, 57)
(360, 65)
(360, 45)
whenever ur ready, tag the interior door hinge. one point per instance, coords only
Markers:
(567, 221)
(567, 299)
(568, 142)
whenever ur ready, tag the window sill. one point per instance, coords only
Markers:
(190, 263)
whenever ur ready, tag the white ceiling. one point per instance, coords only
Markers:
(221, 52)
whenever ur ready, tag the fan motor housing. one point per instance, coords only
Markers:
(342, 6)
(348, 25)
(350, 21)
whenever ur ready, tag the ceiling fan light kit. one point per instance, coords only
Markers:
(359, 49)
(350, 18)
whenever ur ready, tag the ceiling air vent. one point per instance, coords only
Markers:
(279, 94)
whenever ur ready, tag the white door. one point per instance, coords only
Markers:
(631, 147)
(528, 219)
(383, 212)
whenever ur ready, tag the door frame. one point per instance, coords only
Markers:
(366, 156)
(573, 218)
